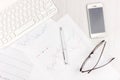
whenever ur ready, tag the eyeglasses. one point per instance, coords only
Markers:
(89, 56)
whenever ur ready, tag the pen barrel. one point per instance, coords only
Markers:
(63, 44)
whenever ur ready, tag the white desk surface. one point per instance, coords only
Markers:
(77, 10)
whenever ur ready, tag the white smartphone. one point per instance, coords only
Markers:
(96, 20)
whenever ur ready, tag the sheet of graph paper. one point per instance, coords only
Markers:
(14, 65)
(43, 46)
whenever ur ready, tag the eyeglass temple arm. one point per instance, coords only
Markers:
(97, 46)
(105, 64)
(97, 67)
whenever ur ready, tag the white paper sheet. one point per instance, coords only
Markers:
(43, 46)
(42, 41)
(14, 65)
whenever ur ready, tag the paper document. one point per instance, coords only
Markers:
(41, 41)
(43, 46)
(14, 65)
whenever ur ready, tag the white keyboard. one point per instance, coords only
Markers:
(22, 17)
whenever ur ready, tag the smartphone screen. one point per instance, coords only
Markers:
(96, 20)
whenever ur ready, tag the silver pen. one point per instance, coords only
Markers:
(64, 51)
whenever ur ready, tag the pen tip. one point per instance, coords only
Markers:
(60, 28)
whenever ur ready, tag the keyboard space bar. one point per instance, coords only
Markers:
(24, 27)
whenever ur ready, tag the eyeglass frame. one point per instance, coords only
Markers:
(89, 56)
